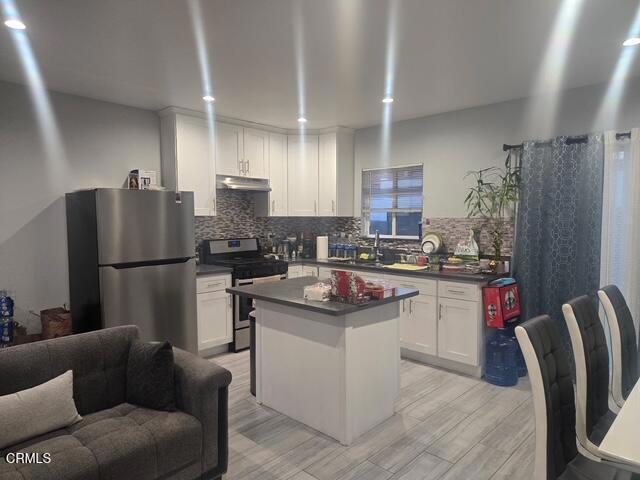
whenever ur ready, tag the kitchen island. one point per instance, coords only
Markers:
(330, 365)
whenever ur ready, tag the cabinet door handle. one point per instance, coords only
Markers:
(273, 206)
(230, 300)
(333, 206)
(410, 306)
(440, 313)
(403, 306)
(460, 292)
(247, 167)
(315, 207)
(213, 203)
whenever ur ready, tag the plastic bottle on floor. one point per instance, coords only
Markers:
(500, 366)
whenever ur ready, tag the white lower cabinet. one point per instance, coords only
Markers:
(294, 271)
(459, 325)
(444, 321)
(443, 324)
(419, 324)
(309, 271)
(215, 311)
(324, 273)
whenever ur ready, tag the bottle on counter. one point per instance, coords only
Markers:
(333, 240)
(6, 319)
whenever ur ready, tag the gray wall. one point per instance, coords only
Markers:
(103, 141)
(451, 144)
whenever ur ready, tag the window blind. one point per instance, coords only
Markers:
(392, 190)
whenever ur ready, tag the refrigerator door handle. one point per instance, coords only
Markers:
(149, 263)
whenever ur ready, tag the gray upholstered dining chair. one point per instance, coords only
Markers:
(556, 451)
(591, 355)
(593, 417)
(624, 343)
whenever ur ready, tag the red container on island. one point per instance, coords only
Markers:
(348, 287)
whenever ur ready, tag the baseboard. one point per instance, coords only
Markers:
(210, 352)
(473, 371)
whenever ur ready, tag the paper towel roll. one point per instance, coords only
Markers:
(322, 248)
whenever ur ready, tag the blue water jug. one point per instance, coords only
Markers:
(500, 365)
(520, 364)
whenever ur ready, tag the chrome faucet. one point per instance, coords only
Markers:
(376, 248)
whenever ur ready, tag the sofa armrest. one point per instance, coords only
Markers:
(201, 391)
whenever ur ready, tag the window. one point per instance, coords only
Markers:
(392, 202)
(621, 218)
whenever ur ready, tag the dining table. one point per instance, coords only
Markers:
(622, 441)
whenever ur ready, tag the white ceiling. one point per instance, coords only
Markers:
(451, 54)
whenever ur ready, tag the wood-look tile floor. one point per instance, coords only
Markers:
(446, 426)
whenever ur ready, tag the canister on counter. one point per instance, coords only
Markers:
(6, 304)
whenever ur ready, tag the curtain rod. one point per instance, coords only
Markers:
(623, 135)
(568, 141)
(506, 147)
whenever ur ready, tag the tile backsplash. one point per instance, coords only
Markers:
(236, 218)
(453, 230)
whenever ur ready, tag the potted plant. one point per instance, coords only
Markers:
(492, 198)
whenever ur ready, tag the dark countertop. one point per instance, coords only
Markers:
(436, 275)
(203, 269)
(291, 293)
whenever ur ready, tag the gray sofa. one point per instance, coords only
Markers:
(117, 440)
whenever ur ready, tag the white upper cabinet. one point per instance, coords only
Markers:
(336, 174)
(277, 175)
(256, 154)
(302, 173)
(242, 152)
(188, 161)
(327, 187)
(229, 149)
(310, 175)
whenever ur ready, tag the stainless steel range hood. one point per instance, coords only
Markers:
(243, 183)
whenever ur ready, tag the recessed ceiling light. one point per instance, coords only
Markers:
(387, 100)
(302, 120)
(630, 42)
(15, 24)
(208, 98)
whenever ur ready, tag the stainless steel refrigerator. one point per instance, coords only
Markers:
(131, 261)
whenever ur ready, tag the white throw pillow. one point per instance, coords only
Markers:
(38, 410)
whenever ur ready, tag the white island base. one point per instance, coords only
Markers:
(337, 374)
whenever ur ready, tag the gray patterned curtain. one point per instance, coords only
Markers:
(557, 251)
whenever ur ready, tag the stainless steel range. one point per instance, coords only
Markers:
(249, 266)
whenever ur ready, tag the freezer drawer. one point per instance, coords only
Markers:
(142, 225)
(159, 299)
